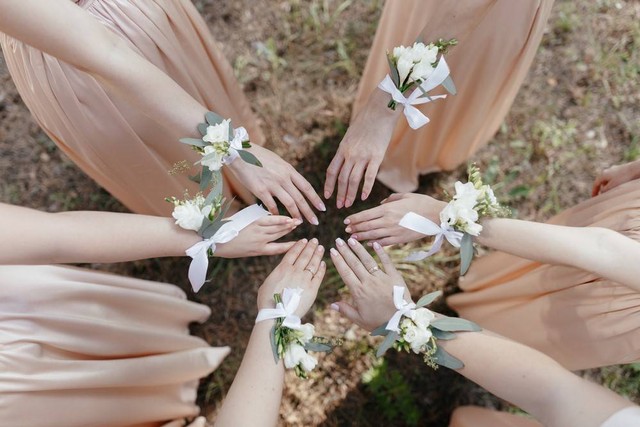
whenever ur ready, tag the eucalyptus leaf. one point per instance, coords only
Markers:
(195, 178)
(212, 229)
(442, 335)
(230, 132)
(429, 298)
(380, 331)
(395, 77)
(193, 141)
(443, 358)
(449, 85)
(212, 118)
(466, 253)
(224, 210)
(317, 346)
(387, 343)
(274, 346)
(453, 324)
(210, 197)
(202, 128)
(249, 158)
(205, 178)
(218, 182)
(206, 222)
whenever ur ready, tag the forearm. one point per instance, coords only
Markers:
(607, 253)
(34, 237)
(532, 381)
(255, 395)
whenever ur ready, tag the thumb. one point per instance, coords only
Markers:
(393, 198)
(347, 311)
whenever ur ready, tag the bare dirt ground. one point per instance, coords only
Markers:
(299, 63)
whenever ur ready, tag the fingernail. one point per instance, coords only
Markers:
(334, 307)
(348, 204)
(339, 242)
(352, 242)
(314, 240)
(314, 221)
(322, 207)
(364, 196)
(376, 245)
(326, 195)
(348, 229)
(320, 249)
(297, 221)
(333, 252)
(339, 204)
(354, 236)
(369, 244)
(323, 264)
(304, 240)
(347, 221)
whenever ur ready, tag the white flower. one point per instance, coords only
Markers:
(190, 214)
(490, 195)
(218, 133)
(421, 71)
(472, 228)
(422, 317)
(415, 61)
(297, 355)
(218, 153)
(306, 332)
(399, 51)
(404, 68)
(467, 193)
(416, 335)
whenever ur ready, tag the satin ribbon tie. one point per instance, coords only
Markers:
(286, 309)
(403, 308)
(425, 226)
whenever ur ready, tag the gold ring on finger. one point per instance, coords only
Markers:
(374, 269)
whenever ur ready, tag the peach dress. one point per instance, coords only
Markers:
(497, 41)
(579, 319)
(80, 348)
(123, 150)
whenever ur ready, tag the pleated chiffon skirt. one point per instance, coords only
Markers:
(123, 150)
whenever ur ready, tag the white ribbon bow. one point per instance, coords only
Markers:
(425, 226)
(239, 135)
(415, 117)
(402, 306)
(226, 233)
(286, 309)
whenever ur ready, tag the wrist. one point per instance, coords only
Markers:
(377, 109)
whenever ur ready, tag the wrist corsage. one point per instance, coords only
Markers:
(290, 339)
(415, 328)
(206, 217)
(459, 220)
(417, 68)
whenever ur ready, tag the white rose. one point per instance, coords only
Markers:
(293, 355)
(404, 68)
(218, 133)
(416, 335)
(216, 161)
(308, 362)
(306, 332)
(423, 317)
(189, 215)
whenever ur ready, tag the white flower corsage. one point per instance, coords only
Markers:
(291, 340)
(416, 68)
(415, 328)
(459, 220)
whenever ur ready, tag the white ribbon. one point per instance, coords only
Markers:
(239, 135)
(415, 117)
(226, 233)
(403, 308)
(286, 309)
(425, 226)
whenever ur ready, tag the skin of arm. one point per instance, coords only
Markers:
(510, 370)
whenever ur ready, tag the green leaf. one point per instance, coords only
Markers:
(442, 335)
(387, 343)
(380, 331)
(212, 229)
(193, 141)
(210, 197)
(205, 178)
(466, 253)
(224, 210)
(428, 299)
(249, 158)
(274, 346)
(218, 182)
(449, 85)
(453, 324)
(246, 144)
(395, 77)
(317, 346)
(230, 132)
(195, 178)
(212, 118)
(202, 128)
(443, 358)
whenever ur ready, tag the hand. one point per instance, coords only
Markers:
(614, 176)
(371, 288)
(381, 224)
(302, 267)
(259, 238)
(278, 179)
(361, 151)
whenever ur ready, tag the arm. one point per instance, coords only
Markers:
(259, 381)
(512, 371)
(33, 237)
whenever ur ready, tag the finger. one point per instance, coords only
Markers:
(294, 252)
(307, 189)
(387, 264)
(597, 184)
(343, 183)
(372, 234)
(387, 241)
(278, 248)
(306, 255)
(288, 202)
(367, 215)
(317, 278)
(332, 174)
(272, 236)
(348, 276)
(393, 197)
(373, 224)
(347, 311)
(269, 203)
(354, 183)
(352, 260)
(367, 260)
(301, 203)
(274, 220)
(369, 178)
(315, 260)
